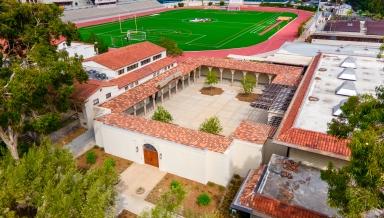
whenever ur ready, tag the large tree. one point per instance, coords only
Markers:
(45, 182)
(358, 187)
(36, 80)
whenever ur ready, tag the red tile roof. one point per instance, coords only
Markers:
(122, 57)
(143, 91)
(285, 75)
(306, 139)
(133, 76)
(58, 40)
(253, 132)
(261, 204)
(84, 90)
(168, 132)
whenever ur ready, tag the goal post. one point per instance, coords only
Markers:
(136, 35)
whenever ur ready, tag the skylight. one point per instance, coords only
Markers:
(347, 88)
(348, 62)
(336, 110)
(348, 74)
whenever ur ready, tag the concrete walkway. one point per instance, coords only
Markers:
(134, 177)
(82, 143)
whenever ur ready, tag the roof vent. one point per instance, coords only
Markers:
(348, 74)
(347, 88)
(313, 98)
(348, 63)
(323, 69)
(336, 110)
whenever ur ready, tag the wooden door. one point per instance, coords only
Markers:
(150, 156)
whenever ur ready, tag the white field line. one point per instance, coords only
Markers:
(202, 36)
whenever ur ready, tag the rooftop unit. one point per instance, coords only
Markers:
(348, 74)
(347, 88)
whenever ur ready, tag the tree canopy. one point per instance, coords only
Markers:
(45, 182)
(171, 46)
(371, 6)
(211, 78)
(162, 115)
(211, 125)
(358, 187)
(248, 83)
(36, 81)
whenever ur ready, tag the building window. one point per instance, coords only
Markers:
(120, 71)
(131, 85)
(156, 57)
(127, 87)
(136, 83)
(108, 95)
(146, 61)
(95, 101)
(132, 67)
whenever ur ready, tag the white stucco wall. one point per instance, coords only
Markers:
(185, 161)
(88, 109)
(315, 160)
(91, 65)
(245, 156)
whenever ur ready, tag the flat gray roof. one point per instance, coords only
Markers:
(321, 98)
(311, 50)
(295, 183)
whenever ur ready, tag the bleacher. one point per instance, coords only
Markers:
(121, 7)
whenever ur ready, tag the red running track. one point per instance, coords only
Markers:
(288, 33)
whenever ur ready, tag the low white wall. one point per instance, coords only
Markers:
(315, 160)
(245, 156)
(185, 161)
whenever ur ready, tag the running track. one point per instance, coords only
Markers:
(288, 33)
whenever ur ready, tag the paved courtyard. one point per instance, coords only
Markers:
(190, 108)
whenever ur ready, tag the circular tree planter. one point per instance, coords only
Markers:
(247, 97)
(211, 91)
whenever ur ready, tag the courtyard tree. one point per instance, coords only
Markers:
(211, 125)
(357, 188)
(211, 79)
(36, 81)
(45, 182)
(162, 115)
(248, 83)
(171, 46)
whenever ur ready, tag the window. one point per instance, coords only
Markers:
(156, 57)
(108, 95)
(95, 101)
(155, 74)
(120, 71)
(146, 61)
(127, 87)
(132, 67)
(136, 83)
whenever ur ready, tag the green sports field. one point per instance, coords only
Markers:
(225, 29)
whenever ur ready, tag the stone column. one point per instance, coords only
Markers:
(177, 82)
(244, 74)
(134, 110)
(182, 82)
(194, 75)
(221, 74)
(199, 71)
(210, 68)
(232, 75)
(269, 79)
(189, 78)
(154, 101)
(170, 91)
(257, 79)
(162, 96)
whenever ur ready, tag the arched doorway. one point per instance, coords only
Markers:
(150, 155)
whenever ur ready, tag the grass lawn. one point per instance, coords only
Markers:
(225, 29)
(120, 163)
(193, 189)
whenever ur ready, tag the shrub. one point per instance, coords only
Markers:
(180, 4)
(162, 115)
(110, 162)
(248, 83)
(91, 157)
(47, 123)
(222, 3)
(211, 125)
(203, 199)
(210, 3)
(175, 184)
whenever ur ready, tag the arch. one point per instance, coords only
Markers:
(151, 156)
